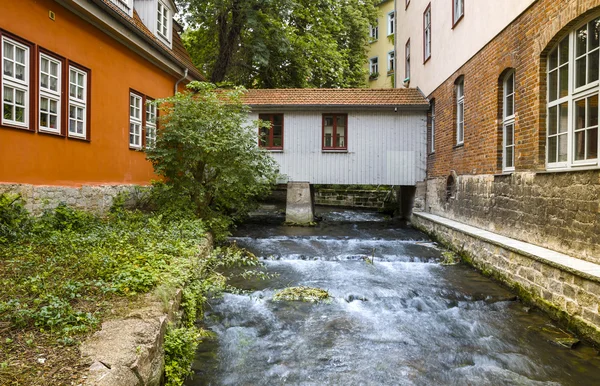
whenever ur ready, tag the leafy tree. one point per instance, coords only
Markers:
(207, 152)
(280, 43)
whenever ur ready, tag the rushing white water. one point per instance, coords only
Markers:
(403, 320)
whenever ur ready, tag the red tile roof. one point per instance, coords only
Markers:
(336, 97)
(177, 53)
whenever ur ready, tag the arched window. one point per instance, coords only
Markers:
(573, 90)
(508, 122)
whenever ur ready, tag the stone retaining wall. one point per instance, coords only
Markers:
(370, 199)
(570, 298)
(559, 211)
(95, 199)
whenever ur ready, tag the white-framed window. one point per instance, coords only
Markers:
(432, 122)
(573, 93)
(50, 94)
(135, 121)
(15, 83)
(163, 22)
(458, 10)
(508, 122)
(374, 67)
(124, 5)
(150, 124)
(427, 33)
(77, 102)
(391, 23)
(407, 60)
(460, 111)
(374, 31)
(391, 60)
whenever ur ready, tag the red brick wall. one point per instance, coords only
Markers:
(523, 46)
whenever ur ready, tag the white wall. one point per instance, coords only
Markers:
(384, 148)
(450, 47)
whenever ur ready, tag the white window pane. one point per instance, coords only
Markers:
(20, 55)
(20, 114)
(53, 84)
(19, 72)
(54, 68)
(44, 104)
(8, 94)
(20, 97)
(8, 50)
(44, 65)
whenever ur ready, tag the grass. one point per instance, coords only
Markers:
(302, 294)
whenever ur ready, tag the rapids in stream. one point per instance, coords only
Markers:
(403, 320)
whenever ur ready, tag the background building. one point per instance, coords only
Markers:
(381, 55)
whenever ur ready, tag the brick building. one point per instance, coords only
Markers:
(513, 132)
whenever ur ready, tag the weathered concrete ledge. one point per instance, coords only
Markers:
(564, 286)
(129, 351)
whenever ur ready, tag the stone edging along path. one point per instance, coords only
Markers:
(565, 287)
(129, 351)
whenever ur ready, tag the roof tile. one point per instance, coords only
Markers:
(335, 97)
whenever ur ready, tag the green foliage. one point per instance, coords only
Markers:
(280, 43)
(180, 347)
(14, 219)
(58, 271)
(208, 155)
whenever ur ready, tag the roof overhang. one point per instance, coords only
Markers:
(100, 15)
(340, 107)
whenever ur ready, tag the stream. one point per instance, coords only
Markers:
(405, 319)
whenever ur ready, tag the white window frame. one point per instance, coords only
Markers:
(164, 30)
(458, 10)
(432, 149)
(460, 111)
(407, 60)
(124, 5)
(391, 23)
(374, 31)
(135, 120)
(508, 122)
(568, 69)
(78, 104)
(151, 117)
(11, 82)
(50, 95)
(427, 34)
(374, 66)
(391, 60)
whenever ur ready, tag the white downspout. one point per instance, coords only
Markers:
(185, 74)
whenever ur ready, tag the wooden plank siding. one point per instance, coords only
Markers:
(384, 148)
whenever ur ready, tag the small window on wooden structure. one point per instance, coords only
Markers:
(335, 131)
(271, 138)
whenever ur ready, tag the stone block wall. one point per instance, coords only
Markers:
(568, 297)
(559, 211)
(96, 199)
(370, 199)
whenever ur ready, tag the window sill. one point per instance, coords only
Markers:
(569, 170)
(459, 145)
(390, 73)
(83, 139)
(51, 133)
(140, 149)
(334, 150)
(19, 128)
(274, 150)
(427, 59)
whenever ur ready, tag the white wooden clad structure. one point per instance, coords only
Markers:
(384, 147)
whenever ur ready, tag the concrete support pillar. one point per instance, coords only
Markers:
(406, 199)
(299, 207)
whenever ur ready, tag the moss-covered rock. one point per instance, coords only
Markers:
(302, 294)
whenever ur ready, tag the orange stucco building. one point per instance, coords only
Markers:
(75, 78)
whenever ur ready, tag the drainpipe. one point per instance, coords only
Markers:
(185, 74)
